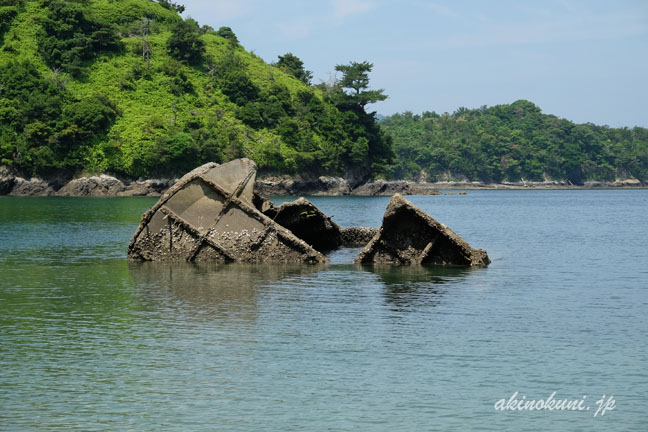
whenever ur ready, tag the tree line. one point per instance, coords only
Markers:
(513, 142)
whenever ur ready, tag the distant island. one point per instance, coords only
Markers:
(133, 90)
(514, 143)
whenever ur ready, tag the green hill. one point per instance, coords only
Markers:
(513, 142)
(131, 88)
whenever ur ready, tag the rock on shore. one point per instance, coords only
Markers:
(336, 186)
(102, 185)
(7, 180)
(389, 188)
(31, 187)
(106, 185)
(93, 186)
(287, 186)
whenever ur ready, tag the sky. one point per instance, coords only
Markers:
(586, 61)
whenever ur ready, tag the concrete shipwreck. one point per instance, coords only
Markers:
(213, 214)
(410, 236)
(208, 215)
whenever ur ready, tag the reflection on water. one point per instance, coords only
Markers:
(228, 290)
(216, 289)
(414, 286)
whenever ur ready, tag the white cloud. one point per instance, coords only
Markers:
(345, 8)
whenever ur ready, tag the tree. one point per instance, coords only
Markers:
(171, 6)
(68, 36)
(291, 64)
(369, 142)
(227, 33)
(146, 46)
(185, 43)
(355, 77)
(7, 14)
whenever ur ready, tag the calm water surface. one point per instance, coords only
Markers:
(90, 341)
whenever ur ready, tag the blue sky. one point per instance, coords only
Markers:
(583, 60)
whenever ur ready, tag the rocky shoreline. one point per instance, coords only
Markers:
(93, 186)
(104, 185)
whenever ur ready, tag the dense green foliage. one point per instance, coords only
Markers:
(185, 44)
(131, 88)
(70, 36)
(8, 11)
(370, 144)
(172, 6)
(293, 65)
(227, 33)
(513, 142)
(44, 128)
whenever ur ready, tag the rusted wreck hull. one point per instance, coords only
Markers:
(208, 215)
(410, 236)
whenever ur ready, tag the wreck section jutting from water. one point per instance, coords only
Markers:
(214, 214)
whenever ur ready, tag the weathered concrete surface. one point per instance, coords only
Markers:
(410, 236)
(262, 204)
(208, 215)
(308, 223)
(357, 236)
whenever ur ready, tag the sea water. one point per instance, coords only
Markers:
(91, 341)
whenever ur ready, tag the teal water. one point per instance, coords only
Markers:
(90, 341)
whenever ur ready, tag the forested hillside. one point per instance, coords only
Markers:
(129, 87)
(513, 142)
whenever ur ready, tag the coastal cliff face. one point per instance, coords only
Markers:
(103, 185)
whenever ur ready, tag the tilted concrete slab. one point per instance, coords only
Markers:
(208, 215)
(410, 236)
(308, 223)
